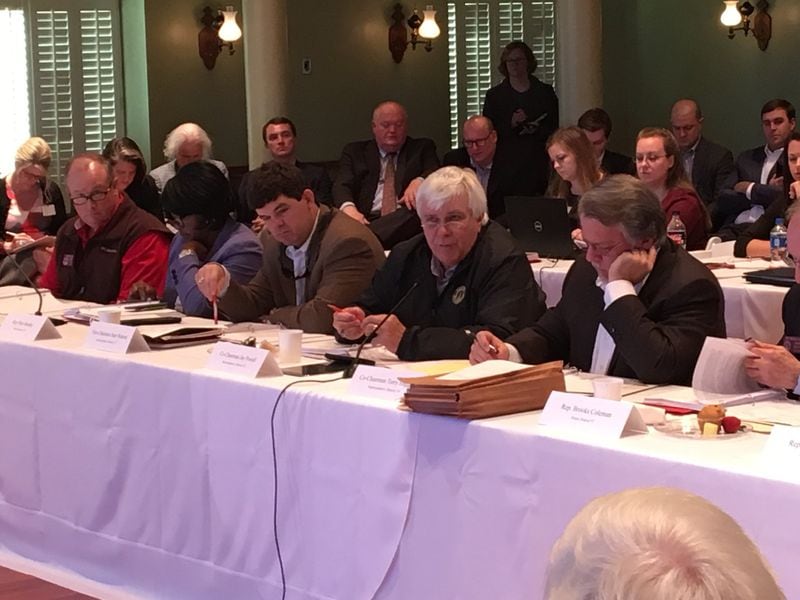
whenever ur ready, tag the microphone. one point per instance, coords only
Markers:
(348, 372)
(35, 287)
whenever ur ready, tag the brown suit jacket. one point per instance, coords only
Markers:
(342, 257)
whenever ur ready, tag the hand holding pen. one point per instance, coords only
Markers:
(486, 346)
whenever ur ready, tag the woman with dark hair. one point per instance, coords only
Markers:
(130, 174)
(31, 206)
(659, 166)
(524, 111)
(197, 203)
(754, 242)
(575, 168)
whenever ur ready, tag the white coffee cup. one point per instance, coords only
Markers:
(609, 388)
(109, 315)
(290, 342)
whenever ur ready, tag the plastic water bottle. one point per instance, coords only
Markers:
(777, 241)
(676, 230)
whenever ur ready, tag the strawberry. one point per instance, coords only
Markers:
(731, 424)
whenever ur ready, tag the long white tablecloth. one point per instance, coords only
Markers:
(152, 476)
(751, 310)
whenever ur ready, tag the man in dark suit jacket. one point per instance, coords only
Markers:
(596, 123)
(359, 189)
(499, 176)
(709, 166)
(280, 138)
(636, 306)
(759, 170)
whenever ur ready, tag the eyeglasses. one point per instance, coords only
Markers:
(479, 143)
(450, 222)
(649, 158)
(95, 197)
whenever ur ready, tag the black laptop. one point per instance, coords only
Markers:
(782, 276)
(541, 225)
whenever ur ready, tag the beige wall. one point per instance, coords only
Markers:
(181, 88)
(352, 71)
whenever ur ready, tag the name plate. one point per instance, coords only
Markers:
(586, 415)
(379, 382)
(19, 327)
(782, 449)
(244, 361)
(112, 337)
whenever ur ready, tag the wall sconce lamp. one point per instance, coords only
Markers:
(740, 18)
(423, 31)
(217, 32)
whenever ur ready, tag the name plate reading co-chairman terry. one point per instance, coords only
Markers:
(594, 416)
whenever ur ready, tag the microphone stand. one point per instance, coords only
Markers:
(35, 287)
(348, 372)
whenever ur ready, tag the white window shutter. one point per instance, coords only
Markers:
(14, 101)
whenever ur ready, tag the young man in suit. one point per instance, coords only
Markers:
(709, 166)
(379, 177)
(636, 305)
(760, 176)
(596, 123)
(499, 177)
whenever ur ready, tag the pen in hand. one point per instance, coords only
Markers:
(215, 309)
(471, 335)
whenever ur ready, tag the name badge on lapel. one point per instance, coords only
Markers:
(67, 260)
(108, 250)
(48, 210)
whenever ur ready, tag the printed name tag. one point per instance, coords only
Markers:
(27, 328)
(245, 361)
(111, 337)
(782, 450)
(379, 382)
(583, 414)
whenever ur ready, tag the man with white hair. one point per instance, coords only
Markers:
(469, 273)
(658, 544)
(186, 143)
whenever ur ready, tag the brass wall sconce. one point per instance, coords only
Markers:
(423, 31)
(217, 32)
(740, 18)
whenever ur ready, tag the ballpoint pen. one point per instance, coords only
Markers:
(471, 336)
(215, 309)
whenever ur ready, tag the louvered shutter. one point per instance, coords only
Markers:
(76, 75)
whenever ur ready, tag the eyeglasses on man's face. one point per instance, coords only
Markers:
(96, 197)
(477, 143)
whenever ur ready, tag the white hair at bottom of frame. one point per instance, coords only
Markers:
(656, 544)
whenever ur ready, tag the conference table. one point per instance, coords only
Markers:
(751, 310)
(148, 475)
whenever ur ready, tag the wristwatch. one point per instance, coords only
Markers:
(187, 252)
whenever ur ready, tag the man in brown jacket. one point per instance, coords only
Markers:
(314, 257)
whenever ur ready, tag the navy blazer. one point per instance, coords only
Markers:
(748, 166)
(615, 163)
(713, 170)
(360, 170)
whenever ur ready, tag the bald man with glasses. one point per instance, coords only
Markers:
(499, 176)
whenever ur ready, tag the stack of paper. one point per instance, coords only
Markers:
(486, 390)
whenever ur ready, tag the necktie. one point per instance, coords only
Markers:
(389, 199)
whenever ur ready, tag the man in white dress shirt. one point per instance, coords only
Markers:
(636, 305)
